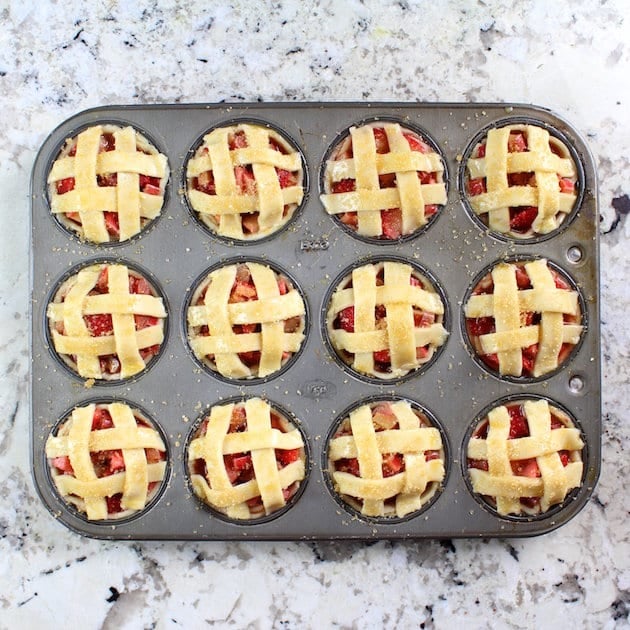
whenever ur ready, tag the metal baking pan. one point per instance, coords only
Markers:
(455, 389)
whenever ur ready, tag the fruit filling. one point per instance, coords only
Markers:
(551, 453)
(374, 477)
(245, 181)
(523, 183)
(363, 172)
(538, 309)
(251, 307)
(132, 473)
(235, 481)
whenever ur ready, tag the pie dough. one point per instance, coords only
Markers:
(521, 181)
(245, 321)
(107, 460)
(107, 183)
(106, 322)
(525, 457)
(384, 320)
(245, 181)
(246, 459)
(386, 460)
(523, 319)
(383, 181)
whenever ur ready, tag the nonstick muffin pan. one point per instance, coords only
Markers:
(315, 250)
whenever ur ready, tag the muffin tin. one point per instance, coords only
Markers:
(315, 389)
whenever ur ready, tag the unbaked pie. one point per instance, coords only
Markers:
(523, 318)
(107, 460)
(107, 183)
(383, 181)
(525, 457)
(106, 322)
(521, 181)
(246, 459)
(245, 181)
(385, 319)
(246, 320)
(385, 459)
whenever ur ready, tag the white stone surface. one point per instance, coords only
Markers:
(58, 58)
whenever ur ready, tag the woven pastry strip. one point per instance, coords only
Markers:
(80, 441)
(230, 202)
(539, 159)
(90, 200)
(270, 310)
(506, 305)
(368, 199)
(126, 342)
(543, 443)
(261, 440)
(410, 439)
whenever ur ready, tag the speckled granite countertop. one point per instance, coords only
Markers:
(60, 58)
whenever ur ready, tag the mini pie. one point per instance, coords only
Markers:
(246, 320)
(107, 183)
(523, 319)
(525, 457)
(521, 181)
(107, 460)
(245, 181)
(383, 181)
(384, 320)
(246, 459)
(106, 322)
(385, 459)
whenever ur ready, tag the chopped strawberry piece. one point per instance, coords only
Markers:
(286, 178)
(518, 424)
(344, 185)
(481, 151)
(422, 352)
(144, 321)
(560, 283)
(151, 351)
(205, 183)
(566, 185)
(114, 504)
(150, 185)
(481, 326)
(345, 319)
(531, 351)
(525, 468)
(107, 142)
(250, 359)
(287, 456)
(491, 360)
(111, 223)
(480, 464)
(383, 416)
(254, 502)
(564, 457)
(282, 286)
(423, 319)
(392, 223)
(109, 364)
(522, 278)
(65, 185)
(99, 325)
(116, 461)
(62, 464)
(107, 180)
(517, 143)
(427, 178)
(150, 189)
(415, 282)
(476, 186)
(430, 210)
(242, 462)
(244, 329)
(245, 180)
(243, 291)
(238, 421)
(393, 463)
(388, 180)
(140, 286)
(430, 455)
(249, 222)
(350, 465)
(101, 419)
(382, 356)
(350, 219)
(523, 218)
(521, 179)
(238, 140)
(528, 365)
(415, 144)
(380, 138)
(153, 455)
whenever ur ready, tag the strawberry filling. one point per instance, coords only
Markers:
(521, 217)
(102, 325)
(244, 290)
(246, 180)
(519, 428)
(391, 218)
(109, 462)
(382, 358)
(147, 184)
(239, 466)
(479, 326)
